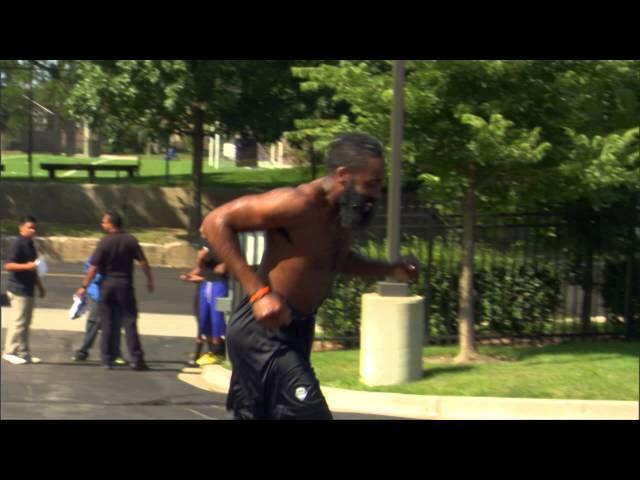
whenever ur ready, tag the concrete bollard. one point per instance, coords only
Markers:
(391, 339)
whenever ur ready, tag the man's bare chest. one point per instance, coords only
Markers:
(318, 244)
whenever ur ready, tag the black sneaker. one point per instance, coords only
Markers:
(80, 357)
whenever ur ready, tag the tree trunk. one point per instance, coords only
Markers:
(53, 135)
(465, 314)
(313, 159)
(95, 144)
(86, 133)
(246, 152)
(196, 175)
(70, 138)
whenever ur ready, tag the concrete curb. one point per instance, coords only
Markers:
(421, 407)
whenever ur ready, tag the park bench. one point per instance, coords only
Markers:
(53, 167)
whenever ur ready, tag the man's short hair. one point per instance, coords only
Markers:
(27, 219)
(353, 150)
(115, 218)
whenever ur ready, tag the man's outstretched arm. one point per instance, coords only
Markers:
(405, 269)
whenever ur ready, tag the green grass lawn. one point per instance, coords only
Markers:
(592, 371)
(153, 170)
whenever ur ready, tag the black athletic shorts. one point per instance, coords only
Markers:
(272, 376)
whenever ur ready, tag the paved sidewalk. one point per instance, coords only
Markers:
(148, 323)
(215, 378)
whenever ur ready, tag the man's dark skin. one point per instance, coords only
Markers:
(109, 227)
(306, 244)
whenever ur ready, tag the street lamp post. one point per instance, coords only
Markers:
(392, 320)
(30, 142)
(394, 192)
(395, 184)
(2, 116)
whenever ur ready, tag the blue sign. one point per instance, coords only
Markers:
(171, 153)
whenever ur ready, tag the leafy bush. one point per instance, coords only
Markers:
(511, 297)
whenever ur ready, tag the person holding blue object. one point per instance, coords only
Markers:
(93, 322)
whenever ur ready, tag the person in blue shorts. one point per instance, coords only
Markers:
(210, 275)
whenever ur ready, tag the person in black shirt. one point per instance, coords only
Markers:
(23, 279)
(113, 259)
(211, 276)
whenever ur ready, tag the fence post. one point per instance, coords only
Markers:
(629, 320)
(428, 289)
(30, 133)
(587, 279)
(166, 169)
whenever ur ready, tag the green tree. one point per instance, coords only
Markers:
(596, 149)
(257, 99)
(51, 82)
(481, 134)
(14, 108)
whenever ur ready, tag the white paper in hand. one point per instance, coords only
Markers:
(78, 308)
(42, 266)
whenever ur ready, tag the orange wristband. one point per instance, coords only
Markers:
(259, 294)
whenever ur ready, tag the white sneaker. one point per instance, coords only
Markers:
(14, 359)
(33, 359)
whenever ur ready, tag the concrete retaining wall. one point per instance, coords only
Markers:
(70, 249)
(141, 205)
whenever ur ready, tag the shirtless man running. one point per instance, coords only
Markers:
(308, 242)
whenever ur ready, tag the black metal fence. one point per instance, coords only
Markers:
(538, 276)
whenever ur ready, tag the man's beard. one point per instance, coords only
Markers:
(356, 210)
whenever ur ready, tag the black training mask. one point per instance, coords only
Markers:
(356, 209)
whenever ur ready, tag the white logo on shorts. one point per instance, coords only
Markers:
(301, 393)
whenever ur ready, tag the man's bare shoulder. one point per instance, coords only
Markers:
(286, 207)
(303, 197)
